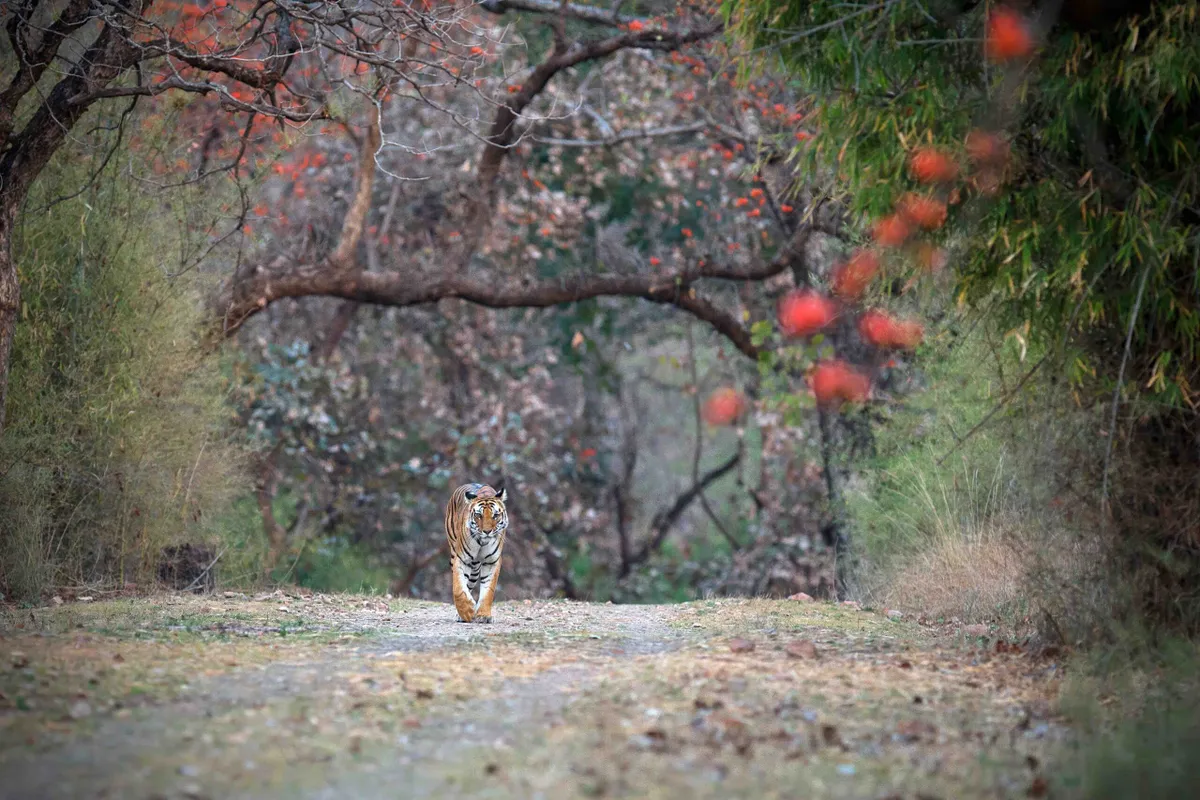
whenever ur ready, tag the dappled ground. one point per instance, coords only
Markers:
(339, 696)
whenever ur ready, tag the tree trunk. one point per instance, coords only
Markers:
(10, 301)
(838, 531)
(268, 480)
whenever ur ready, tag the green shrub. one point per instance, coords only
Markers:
(1139, 723)
(117, 440)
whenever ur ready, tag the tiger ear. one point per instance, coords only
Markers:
(470, 495)
(502, 494)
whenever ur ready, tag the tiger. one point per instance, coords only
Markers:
(476, 521)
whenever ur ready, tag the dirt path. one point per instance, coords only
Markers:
(330, 697)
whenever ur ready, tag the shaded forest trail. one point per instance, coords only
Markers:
(341, 696)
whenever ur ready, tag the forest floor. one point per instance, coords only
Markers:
(288, 695)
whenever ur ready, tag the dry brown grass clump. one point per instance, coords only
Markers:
(979, 578)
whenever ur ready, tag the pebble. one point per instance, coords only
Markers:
(189, 771)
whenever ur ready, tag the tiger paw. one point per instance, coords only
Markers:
(460, 619)
(484, 620)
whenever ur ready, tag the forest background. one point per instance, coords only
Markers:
(276, 276)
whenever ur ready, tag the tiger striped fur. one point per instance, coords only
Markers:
(476, 520)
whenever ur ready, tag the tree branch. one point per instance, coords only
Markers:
(630, 136)
(352, 226)
(579, 11)
(400, 290)
(666, 519)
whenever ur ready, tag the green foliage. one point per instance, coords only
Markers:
(1103, 183)
(117, 439)
(922, 450)
(1139, 723)
(333, 565)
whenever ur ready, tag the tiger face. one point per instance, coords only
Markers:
(487, 517)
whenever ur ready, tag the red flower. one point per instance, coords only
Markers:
(986, 149)
(723, 406)
(930, 165)
(886, 331)
(1008, 36)
(927, 212)
(803, 313)
(891, 231)
(851, 278)
(836, 382)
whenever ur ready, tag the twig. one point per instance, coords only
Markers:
(691, 342)
(1116, 401)
(205, 571)
(618, 138)
(1003, 402)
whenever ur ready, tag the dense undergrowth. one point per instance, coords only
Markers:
(118, 439)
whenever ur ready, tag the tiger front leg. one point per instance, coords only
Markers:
(462, 598)
(483, 614)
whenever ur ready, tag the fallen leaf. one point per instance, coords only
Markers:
(1039, 787)
(802, 597)
(913, 730)
(802, 648)
(741, 646)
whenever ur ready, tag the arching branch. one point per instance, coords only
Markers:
(401, 289)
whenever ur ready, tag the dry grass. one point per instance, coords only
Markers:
(975, 578)
(973, 550)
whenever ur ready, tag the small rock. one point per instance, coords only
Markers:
(845, 769)
(975, 630)
(854, 604)
(741, 646)
(232, 594)
(802, 648)
(79, 709)
(892, 613)
(802, 597)
(56, 601)
(189, 771)
(19, 659)
(85, 599)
